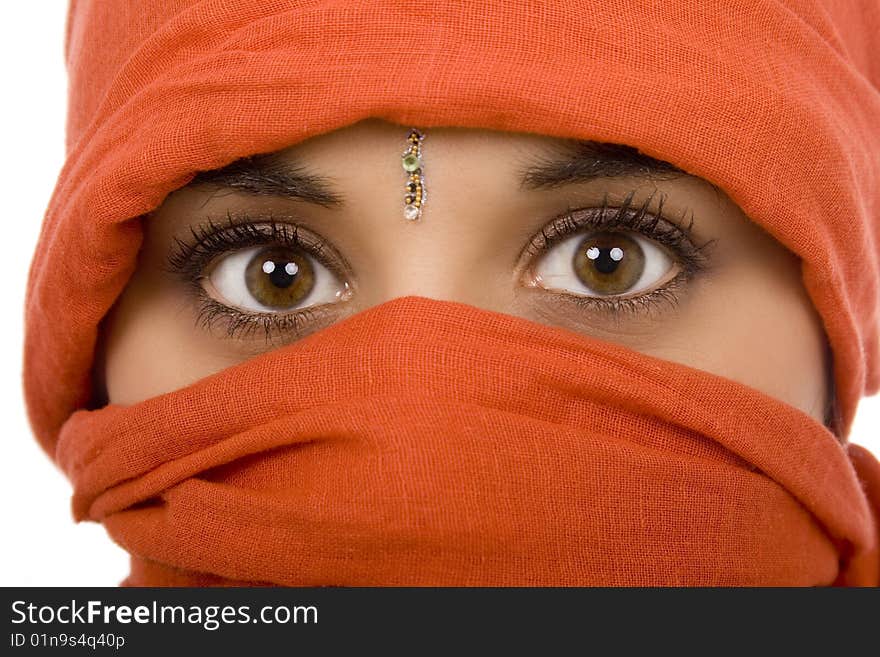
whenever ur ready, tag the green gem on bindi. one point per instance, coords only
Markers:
(411, 162)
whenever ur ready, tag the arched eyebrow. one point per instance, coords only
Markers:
(581, 161)
(271, 175)
(578, 161)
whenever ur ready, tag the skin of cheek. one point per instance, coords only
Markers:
(757, 326)
(150, 344)
(751, 320)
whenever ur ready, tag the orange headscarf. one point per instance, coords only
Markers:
(431, 442)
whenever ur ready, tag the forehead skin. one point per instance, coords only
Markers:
(747, 317)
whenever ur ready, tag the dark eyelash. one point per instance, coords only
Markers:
(655, 225)
(188, 259)
(241, 324)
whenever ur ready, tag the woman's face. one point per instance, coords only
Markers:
(259, 254)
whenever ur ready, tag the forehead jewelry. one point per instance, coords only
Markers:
(416, 195)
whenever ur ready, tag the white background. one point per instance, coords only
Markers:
(41, 545)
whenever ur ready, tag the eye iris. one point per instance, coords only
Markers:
(609, 262)
(279, 277)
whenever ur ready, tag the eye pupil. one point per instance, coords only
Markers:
(609, 262)
(605, 260)
(279, 277)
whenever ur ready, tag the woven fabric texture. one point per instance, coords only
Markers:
(470, 448)
(465, 446)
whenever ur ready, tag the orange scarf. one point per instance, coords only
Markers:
(427, 442)
(430, 442)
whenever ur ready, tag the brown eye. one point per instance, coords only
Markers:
(279, 277)
(604, 263)
(609, 262)
(272, 278)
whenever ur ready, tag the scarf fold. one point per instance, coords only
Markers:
(426, 442)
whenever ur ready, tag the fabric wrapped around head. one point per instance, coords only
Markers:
(430, 442)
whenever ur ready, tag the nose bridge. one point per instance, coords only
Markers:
(443, 255)
(427, 261)
(448, 255)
